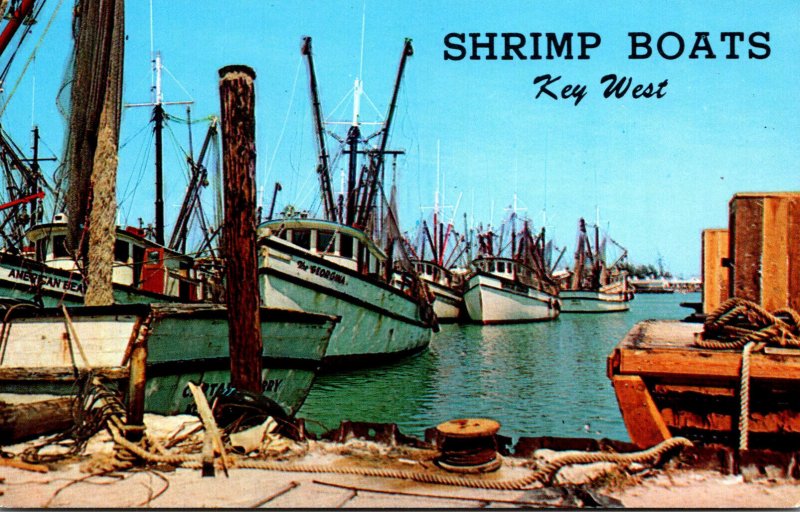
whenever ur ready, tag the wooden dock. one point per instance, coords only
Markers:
(666, 386)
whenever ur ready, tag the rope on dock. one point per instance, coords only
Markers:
(737, 322)
(743, 324)
(541, 476)
(744, 397)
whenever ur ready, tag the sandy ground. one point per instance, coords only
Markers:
(69, 485)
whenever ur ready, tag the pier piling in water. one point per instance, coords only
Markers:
(237, 101)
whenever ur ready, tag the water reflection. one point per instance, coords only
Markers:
(537, 379)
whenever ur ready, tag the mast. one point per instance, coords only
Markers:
(376, 160)
(158, 104)
(198, 179)
(319, 129)
(158, 127)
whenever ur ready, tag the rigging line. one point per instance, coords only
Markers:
(369, 100)
(22, 38)
(145, 160)
(285, 121)
(30, 58)
(345, 98)
(177, 82)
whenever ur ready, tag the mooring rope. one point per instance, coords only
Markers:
(743, 324)
(541, 475)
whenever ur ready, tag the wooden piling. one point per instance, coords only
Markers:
(237, 100)
(715, 274)
(764, 235)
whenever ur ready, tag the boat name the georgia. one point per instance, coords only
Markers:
(71, 285)
(322, 272)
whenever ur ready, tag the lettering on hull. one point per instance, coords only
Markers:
(46, 281)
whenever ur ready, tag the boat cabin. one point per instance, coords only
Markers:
(435, 273)
(343, 245)
(138, 262)
(503, 267)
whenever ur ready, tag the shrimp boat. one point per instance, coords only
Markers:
(595, 286)
(444, 269)
(150, 350)
(513, 289)
(37, 267)
(344, 264)
(43, 349)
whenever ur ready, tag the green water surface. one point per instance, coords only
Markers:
(540, 379)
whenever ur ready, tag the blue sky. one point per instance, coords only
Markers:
(659, 170)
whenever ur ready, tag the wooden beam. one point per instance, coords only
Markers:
(645, 425)
(28, 420)
(237, 98)
(697, 364)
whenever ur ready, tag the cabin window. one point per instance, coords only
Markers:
(60, 247)
(501, 267)
(429, 270)
(282, 234)
(121, 251)
(345, 245)
(153, 258)
(491, 266)
(302, 238)
(41, 249)
(325, 241)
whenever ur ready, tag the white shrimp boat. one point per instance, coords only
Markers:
(446, 286)
(497, 293)
(322, 266)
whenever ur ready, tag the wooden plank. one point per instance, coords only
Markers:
(27, 420)
(746, 237)
(706, 364)
(66, 374)
(774, 257)
(715, 277)
(793, 264)
(779, 422)
(645, 425)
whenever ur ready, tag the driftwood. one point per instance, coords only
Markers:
(28, 420)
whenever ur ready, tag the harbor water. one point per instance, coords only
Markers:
(540, 379)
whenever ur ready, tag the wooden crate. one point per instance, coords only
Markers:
(765, 248)
(714, 270)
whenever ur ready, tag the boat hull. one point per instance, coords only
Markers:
(184, 343)
(379, 323)
(587, 301)
(492, 300)
(24, 280)
(448, 304)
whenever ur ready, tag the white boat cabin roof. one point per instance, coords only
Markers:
(55, 233)
(280, 228)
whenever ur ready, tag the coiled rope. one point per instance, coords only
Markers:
(541, 476)
(743, 324)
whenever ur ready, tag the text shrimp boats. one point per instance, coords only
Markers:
(513, 289)
(595, 286)
(335, 265)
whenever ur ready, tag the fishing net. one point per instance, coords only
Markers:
(95, 92)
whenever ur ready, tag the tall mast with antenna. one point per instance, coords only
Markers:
(158, 104)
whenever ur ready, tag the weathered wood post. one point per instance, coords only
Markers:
(237, 100)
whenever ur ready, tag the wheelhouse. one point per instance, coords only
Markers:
(138, 262)
(343, 245)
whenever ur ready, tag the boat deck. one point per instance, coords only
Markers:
(666, 385)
